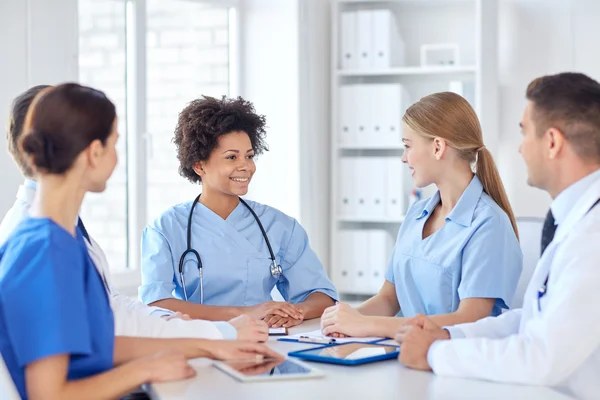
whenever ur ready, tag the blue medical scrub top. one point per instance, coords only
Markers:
(235, 257)
(52, 301)
(476, 254)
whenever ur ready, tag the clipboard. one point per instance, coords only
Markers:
(350, 353)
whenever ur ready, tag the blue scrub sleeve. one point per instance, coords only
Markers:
(48, 313)
(157, 267)
(303, 273)
(491, 263)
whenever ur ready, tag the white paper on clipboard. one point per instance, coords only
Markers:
(318, 336)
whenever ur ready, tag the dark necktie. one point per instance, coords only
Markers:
(548, 231)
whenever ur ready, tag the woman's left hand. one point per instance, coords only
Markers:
(277, 321)
(343, 319)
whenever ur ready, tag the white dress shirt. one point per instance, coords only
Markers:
(132, 317)
(555, 339)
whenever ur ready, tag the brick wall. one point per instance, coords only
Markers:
(187, 56)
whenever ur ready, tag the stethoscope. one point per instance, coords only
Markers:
(276, 269)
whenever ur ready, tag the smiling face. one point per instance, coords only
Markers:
(420, 156)
(230, 166)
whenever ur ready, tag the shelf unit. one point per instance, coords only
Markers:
(472, 24)
(409, 71)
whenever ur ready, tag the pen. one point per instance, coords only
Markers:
(316, 340)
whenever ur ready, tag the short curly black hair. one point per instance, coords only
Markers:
(204, 120)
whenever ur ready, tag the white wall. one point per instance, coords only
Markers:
(269, 79)
(538, 37)
(315, 123)
(38, 45)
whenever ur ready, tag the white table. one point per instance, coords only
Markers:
(380, 381)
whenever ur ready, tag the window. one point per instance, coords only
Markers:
(187, 56)
(186, 45)
(102, 55)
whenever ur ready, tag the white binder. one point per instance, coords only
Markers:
(343, 274)
(364, 33)
(347, 202)
(395, 200)
(386, 114)
(363, 95)
(388, 46)
(380, 244)
(361, 282)
(348, 26)
(347, 117)
(372, 173)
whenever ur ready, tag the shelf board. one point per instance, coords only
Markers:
(380, 220)
(409, 71)
(368, 147)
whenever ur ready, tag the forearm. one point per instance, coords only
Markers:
(383, 326)
(379, 305)
(314, 305)
(469, 310)
(113, 384)
(451, 319)
(131, 348)
(200, 311)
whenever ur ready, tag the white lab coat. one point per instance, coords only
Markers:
(132, 318)
(557, 346)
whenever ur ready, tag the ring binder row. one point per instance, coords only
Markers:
(370, 40)
(363, 256)
(371, 114)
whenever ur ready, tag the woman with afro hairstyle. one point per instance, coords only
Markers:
(216, 141)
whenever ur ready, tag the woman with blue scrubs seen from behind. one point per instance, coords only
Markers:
(457, 257)
(56, 325)
(233, 271)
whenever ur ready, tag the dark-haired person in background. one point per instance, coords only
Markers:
(555, 339)
(217, 140)
(56, 325)
(132, 317)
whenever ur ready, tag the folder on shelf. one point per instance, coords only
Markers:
(348, 202)
(372, 172)
(395, 102)
(347, 115)
(387, 44)
(364, 23)
(395, 199)
(348, 26)
(380, 243)
(363, 95)
(360, 279)
(343, 272)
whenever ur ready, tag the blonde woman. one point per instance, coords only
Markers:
(457, 257)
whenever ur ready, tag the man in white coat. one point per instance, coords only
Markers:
(132, 318)
(554, 339)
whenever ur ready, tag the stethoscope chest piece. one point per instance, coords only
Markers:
(276, 270)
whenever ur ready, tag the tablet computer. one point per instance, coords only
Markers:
(352, 353)
(268, 370)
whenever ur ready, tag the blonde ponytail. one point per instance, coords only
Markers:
(488, 174)
(449, 116)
